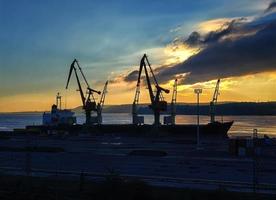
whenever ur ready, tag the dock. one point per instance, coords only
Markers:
(180, 165)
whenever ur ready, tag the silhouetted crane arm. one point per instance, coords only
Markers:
(174, 95)
(140, 71)
(92, 90)
(148, 81)
(162, 89)
(78, 81)
(154, 78)
(82, 74)
(143, 64)
(216, 93)
(101, 103)
(151, 71)
(70, 73)
(214, 102)
(156, 105)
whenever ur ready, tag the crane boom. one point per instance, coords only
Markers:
(155, 81)
(98, 119)
(82, 74)
(170, 120)
(135, 118)
(214, 102)
(156, 105)
(216, 93)
(148, 83)
(174, 96)
(101, 103)
(72, 67)
(87, 104)
(70, 73)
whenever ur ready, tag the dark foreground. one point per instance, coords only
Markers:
(159, 161)
(113, 187)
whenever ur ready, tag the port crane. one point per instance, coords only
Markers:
(137, 120)
(88, 104)
(170, 120)
(98, 119)
(214, 102)
(158, 103)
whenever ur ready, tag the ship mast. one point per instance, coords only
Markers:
(58, 100)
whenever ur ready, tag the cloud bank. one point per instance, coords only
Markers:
(241, 47)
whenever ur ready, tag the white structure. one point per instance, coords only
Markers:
(57, 116)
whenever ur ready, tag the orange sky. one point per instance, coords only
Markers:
(256, 87)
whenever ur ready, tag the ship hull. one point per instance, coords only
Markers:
(216, 129)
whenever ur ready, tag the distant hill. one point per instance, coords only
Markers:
(230, 108)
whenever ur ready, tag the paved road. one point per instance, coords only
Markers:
(99, 154)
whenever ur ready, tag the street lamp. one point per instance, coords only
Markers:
(198, 91)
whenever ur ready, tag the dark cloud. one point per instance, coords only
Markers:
(238, 48)
(271, 6)
(132, 76)
(215, 36)
(195, 39)
(247, 55)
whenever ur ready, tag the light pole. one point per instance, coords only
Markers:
(255, 160)
(198, 91)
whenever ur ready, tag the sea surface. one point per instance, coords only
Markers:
(243, 125)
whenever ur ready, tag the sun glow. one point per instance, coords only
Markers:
(178, 53)
(256, 87)
(213, 25)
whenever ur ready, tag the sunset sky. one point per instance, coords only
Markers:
(194, 41)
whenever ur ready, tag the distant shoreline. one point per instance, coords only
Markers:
(222, 109)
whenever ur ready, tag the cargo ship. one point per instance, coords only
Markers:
(216, 129)
(158, 105)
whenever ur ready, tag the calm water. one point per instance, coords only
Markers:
(243, 125)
